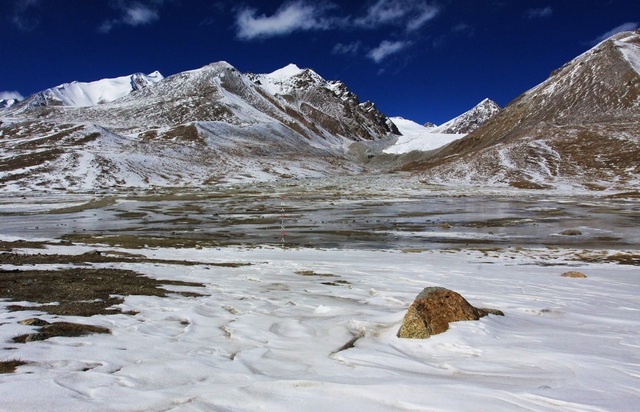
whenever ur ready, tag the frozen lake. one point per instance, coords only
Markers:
(361, 213)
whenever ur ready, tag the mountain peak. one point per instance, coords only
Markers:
(287, 79)
(286, 72)
(471, 119)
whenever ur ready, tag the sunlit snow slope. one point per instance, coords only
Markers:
(91, 93)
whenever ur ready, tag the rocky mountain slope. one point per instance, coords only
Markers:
(6, 103)
(582, 125)
(469, 120)
(198, 127)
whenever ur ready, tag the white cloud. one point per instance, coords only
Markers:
(539, 13)
(630, 26)
(11, 95)
(349, 48)
(303, 15)
(138, 15)
(385, 49)
(410, 14)
(383, 12)
(462, 28)
(132, 14)
(290, 17)
(25, 15)
(427, 14)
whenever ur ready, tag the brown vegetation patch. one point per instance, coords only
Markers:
(621, 258)
(312, 273)
(80, 292)
(625, 195)
(337, 283)
(29, 159)
(93, 204)
(10, 365)
(9, 246)
(66, 329)
(529, 185)
(143, 242)
(96, 256)
(184, 133)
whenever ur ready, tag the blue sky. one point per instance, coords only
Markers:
(425, 60)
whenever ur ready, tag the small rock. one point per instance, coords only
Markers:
(34, 322)
(444, 226)
(573, 274)
(571, 232)
(434, 308)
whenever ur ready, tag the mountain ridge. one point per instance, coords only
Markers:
(580, 126)
(84, 94)
(216, 123)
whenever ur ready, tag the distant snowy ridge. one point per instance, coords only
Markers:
(84, 94)
(417, 137)
(469, 120)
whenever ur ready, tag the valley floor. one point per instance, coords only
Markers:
(288, 296)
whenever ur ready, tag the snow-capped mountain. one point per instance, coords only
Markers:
(469, 120)
(216, 124)
(582, 125)
(81, 94)
(197, 127)
(329, 103)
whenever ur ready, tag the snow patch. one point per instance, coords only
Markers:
(631, 53)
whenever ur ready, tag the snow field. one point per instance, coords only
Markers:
(267, 337)
(418, 137)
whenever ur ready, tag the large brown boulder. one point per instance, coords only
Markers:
(434, 308)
